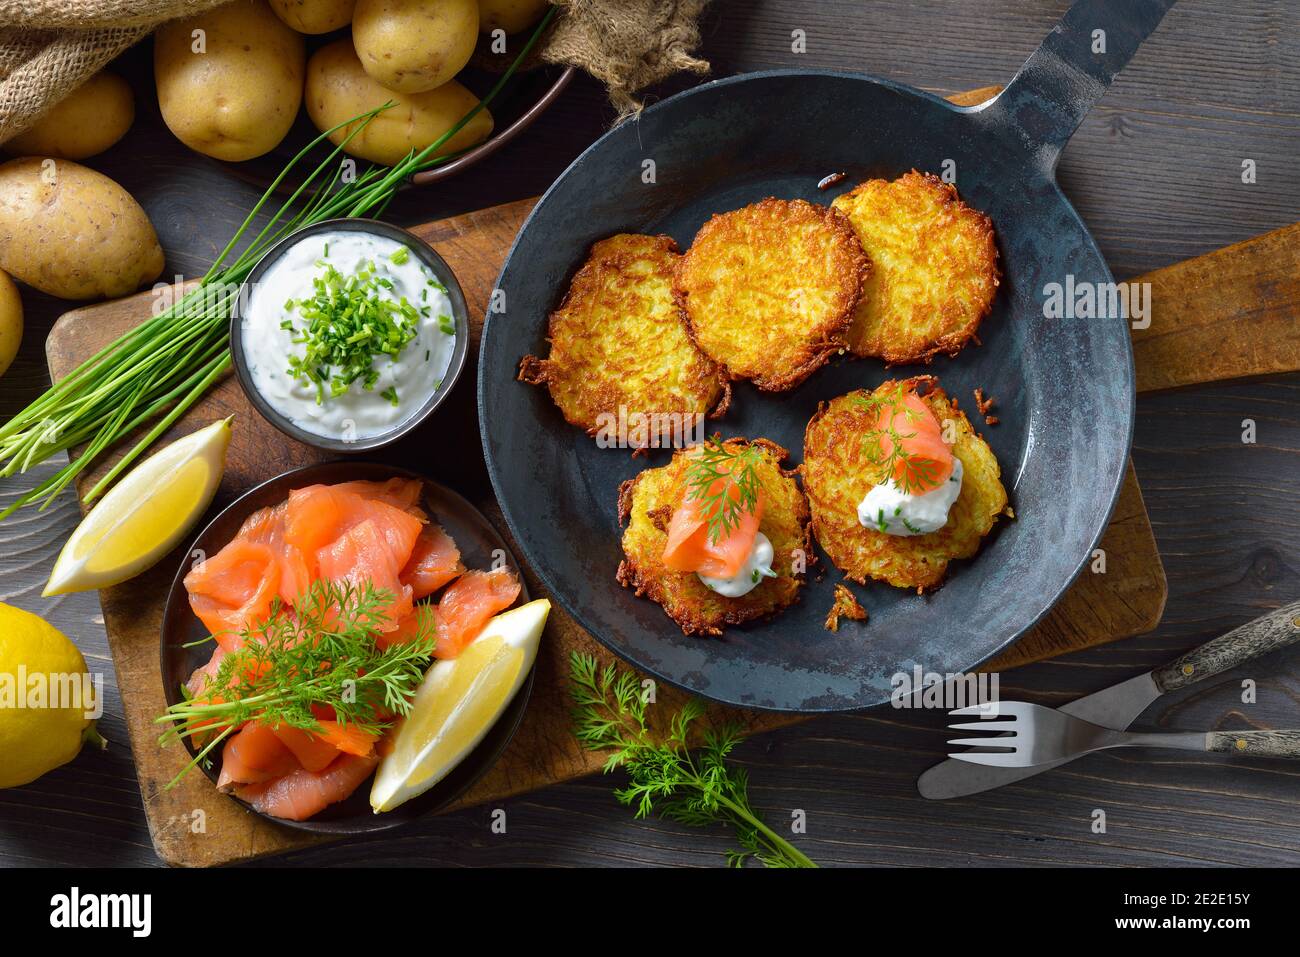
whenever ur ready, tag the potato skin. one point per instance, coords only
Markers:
(618, 339)
(512, 16)
(410, 46)
(314, 16)
(646, 505)
(239, 99)
(935, 268)
(11, 322)
(72, 232)
(86, 122)
(337, 89)
(836, 476)
(769, 290)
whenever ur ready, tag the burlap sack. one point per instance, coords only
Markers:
(50, 47)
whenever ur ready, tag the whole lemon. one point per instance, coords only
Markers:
(44, 697)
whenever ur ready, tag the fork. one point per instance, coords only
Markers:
(1039, 735)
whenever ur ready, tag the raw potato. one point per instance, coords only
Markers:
(512, 16)
(411, 46)
(238, 99)
(337, 89)
(11, 322)
(87, 121)
(314, 16)
(73, 233)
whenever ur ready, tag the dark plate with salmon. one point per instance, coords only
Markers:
(481, 547)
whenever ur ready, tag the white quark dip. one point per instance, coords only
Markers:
(757, 567)
(413, 376)
(889, 509)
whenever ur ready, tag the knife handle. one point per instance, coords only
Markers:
(1275, 630)
(1267, 744)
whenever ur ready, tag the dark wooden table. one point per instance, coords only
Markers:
(1156, 172)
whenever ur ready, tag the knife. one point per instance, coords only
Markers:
(1118, 706)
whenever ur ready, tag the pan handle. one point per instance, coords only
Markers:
(1046, 101)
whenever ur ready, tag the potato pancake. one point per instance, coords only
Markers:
(837, 476)
(934, 268)
(646, 504)
(769, 290)
(618, 343)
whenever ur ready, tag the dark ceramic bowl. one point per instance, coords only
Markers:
(478, 541)
(439, 268)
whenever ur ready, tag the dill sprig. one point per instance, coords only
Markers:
(322, 652)
(697, 789)
(725, 481)
(883, 447)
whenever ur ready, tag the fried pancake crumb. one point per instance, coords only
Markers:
(846, 605)
(984, 404)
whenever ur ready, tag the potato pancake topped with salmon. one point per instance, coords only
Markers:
(899, 484)
(934, 268)
(719, 536)
(769, 290)
(619, 345)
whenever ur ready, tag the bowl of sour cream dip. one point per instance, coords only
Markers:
(348, 334)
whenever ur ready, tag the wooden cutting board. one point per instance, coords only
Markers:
(1235, 299)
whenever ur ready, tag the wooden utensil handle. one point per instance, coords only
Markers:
(1266, 744)
(1275, 630)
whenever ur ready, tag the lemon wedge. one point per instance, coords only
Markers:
(145, 514)
(456, 704)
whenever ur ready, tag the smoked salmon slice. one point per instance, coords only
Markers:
(434, 562)
(468, 604)
(688, 548)
(303, 794)
(363, 556)
(322, 514)
(315, 750)
(252, 755)
(928, 462)
(233, 589)
(400, 493)
(266, 527)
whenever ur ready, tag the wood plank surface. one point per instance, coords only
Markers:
(1155, 172)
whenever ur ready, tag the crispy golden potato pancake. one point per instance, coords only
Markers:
(837, 475)
(646, 504)
(769, 290)
(618, 340)
(934, 268)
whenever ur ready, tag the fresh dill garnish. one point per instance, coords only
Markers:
(348, 324)
(883, 446)
(694, 788)
(322, 652)
(724, 480)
